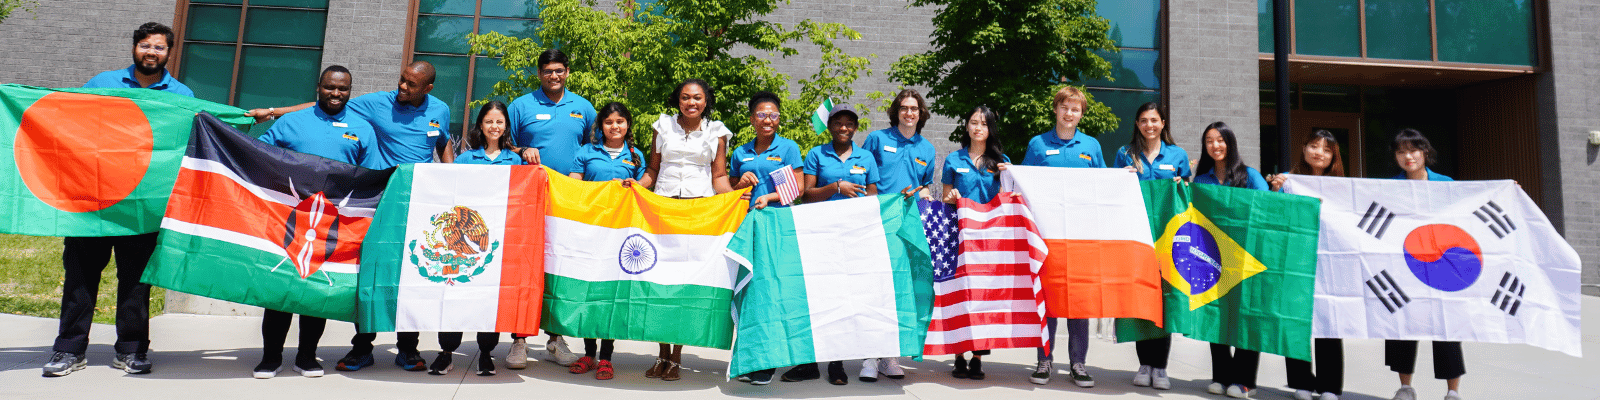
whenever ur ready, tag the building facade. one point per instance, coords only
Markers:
(1507, 89)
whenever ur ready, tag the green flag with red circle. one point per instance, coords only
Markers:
(92, 162)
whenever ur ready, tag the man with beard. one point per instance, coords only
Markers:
(83, 258)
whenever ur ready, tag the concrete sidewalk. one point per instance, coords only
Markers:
(211, 357)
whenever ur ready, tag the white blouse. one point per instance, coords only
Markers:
(686, 157)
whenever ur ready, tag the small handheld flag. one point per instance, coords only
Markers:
(784, 184)
(819, 118)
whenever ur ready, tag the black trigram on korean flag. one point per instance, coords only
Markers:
(1383, 286)
(1491, 214)
(1509, 296)
(1376, 221)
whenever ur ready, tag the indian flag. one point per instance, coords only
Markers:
(838, 280)
(625, 263)
(455, 248)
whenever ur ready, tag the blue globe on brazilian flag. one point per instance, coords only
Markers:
(1238, 266)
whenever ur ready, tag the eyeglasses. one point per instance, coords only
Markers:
(156, 48)
(562, 71)
(770, 116)
(910, 110)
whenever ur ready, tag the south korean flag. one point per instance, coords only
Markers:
(1458, 261)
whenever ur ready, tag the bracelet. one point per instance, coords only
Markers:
(272, 113)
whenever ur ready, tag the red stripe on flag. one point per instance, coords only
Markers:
(522, 273)
(965, 295)
(990, 318)
(982, 344)
(209, 199)
(1004, 249)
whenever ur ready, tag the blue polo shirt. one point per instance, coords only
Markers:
(339, 137)
(406, 134)
(1432, 176)
(1171, 162)
(481, 157)
(825, 164)
(1082, 151)
(1251, 174)
(556, 129)
(596, 164)
(902, 162)
(972, 182)
(780, 153)
(124, 79)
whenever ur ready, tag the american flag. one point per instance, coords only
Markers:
(986, 260)
(784, 184)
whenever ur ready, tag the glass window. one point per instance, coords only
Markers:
(1486, 32)
(1398, 29)
(1133, 22)
(1131, 69)
(275, 64)
(1327, 28)
(441, 39)
(1136, 69)
(1123, 104)
(1264, 26)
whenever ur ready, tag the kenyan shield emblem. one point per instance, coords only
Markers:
(454, 249)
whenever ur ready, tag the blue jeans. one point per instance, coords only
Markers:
(1077, 340)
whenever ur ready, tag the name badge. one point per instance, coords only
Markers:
(1052, 152)
(891, 149)
(962, 170)
(857, 170)
(433, 133)
(1168, 167)
(542, 117)
(340, 125)
(748, 159)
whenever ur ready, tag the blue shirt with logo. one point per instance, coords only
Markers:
(1046, 149)
(970, 181)
(481, 157)
(339, 137)
(1171, 162)
(1432, 176)
(125, 79)
(596, 164)
(557, 129)
(1251, 175)
(902, 162)
(782, 152)
(406, 134)
(823, 163)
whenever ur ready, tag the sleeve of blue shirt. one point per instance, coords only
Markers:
(874, 147)
(271, 136)
(948, 177)
(1123, 160)
(639, 167)
(1097, 158)
(927, 173)
(588, 124)
(1034, 155)
(578, 162)
(370, 156)
(813, 163)
(1182, 159)
(514, 124)
(872, 170)
(1256, 181)
(791, 153)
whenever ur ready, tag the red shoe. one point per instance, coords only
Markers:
(605, 372)
(582, 365)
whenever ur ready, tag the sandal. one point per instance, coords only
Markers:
(670, 373)
(656, 369)
(582, 365)
(604, 372)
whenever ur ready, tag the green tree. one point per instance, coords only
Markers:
(8, 7)
(1011, 55)
(638, 58)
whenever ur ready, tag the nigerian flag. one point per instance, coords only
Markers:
(92, 162)
(819, 118)
(837, 280)
(1238, 266)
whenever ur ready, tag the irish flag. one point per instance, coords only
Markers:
(1102, 261)
(625, 263)
(456, 248)
(92, 162)
(838, 280)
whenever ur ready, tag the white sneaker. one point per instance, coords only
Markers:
(1159, 380)
(559, 351)
(890, 367)
(1452, 395)
(869, 370)
(1238, 392)
(517, 357)
(1216, 388)
(1302, 395)
(1329, 396)
(1405, 393)
(1142, 378)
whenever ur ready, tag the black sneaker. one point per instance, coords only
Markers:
(133, 363)
(802, 372)
(975, 369)
(485, 365)
(836, 373)
(761, 377)
(63, 363)
(410, 361)
(268, 368)
(441, 364)
(308, 367)
(354, 361)
(961, 368)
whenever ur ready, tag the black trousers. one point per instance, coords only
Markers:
(1329, 377)
(606, 346)
(1233, 366)
(450, 341)
(84, 258)
(1448, 363)
(361, 343)
(275, 330)
(1153, 352)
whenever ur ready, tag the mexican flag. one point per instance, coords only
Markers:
(837, 280)
(625, 263)
(456, 248)
(92, 162)
(256, 224)
(1238, 266)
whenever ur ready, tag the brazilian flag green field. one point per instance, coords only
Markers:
(1238, 266)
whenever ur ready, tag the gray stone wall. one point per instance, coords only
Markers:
(66, 42)
(1212, 61)
(369, 38)
(1575, 82)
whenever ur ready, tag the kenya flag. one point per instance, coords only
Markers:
(92, 162)
(256, 224)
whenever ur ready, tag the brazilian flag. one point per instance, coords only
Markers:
(1238, 266)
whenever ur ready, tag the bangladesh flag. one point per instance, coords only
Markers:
(92, 162)
(456, 248)
(257, 224)
(1238, 266)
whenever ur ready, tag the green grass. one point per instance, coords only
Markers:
(31, 275)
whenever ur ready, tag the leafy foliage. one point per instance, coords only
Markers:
(8, 7)
(1012, 56)
(638, 58)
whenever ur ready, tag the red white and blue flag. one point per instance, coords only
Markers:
(986, 260)
(783, 182)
